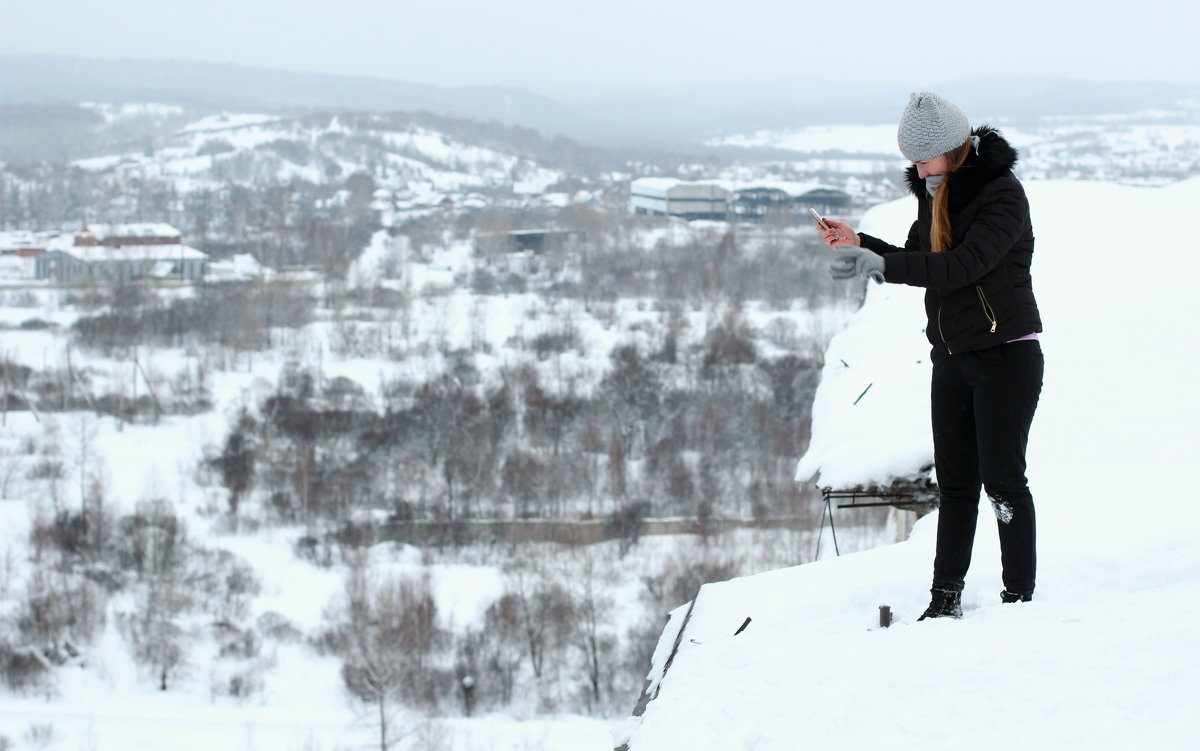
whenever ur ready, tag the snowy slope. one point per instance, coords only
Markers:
(421, 163)
(1146, 147)
(1102, 658)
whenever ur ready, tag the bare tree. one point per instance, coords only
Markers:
(156, 632)
(153, 544)
(388, 641)
(593, 606)
(502, 643)
(631, 390)
(544, 609)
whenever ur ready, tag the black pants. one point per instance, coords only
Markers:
(983, 404)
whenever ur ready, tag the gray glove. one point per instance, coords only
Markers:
(851, 262)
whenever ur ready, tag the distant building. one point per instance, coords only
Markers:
(720, 199)
(19, 250)
(120, 253)
(666, 196)
(26, 243)
(534, 240)
(120, 235)
(756, 200)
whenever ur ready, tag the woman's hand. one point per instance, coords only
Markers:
(853, 262)
(839, 233)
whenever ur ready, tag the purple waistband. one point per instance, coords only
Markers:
(1025, 338)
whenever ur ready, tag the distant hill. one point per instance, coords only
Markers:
(54, 79)
(699, 111)
(629, 116)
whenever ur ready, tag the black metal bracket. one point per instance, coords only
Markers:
(908, 501)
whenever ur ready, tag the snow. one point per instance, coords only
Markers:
(113, 112)
(270, 553)
(442, 148)
(228, 121)
(1098, 659)
(138, 229)
(1144, 147)
(367, 270)
(240, 267)
(102, 163)
(1095, 659)
(870, 413)
(465, 593)
(537, 182)
(850, 139)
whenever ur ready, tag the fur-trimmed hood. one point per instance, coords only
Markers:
(995, 157)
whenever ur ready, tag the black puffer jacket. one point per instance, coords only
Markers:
(979, 293)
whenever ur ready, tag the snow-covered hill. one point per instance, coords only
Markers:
(1102, 659)
(419, 163)
(1140, 148)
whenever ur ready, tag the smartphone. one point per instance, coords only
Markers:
(876, 277)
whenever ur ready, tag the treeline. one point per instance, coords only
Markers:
(698, 424)
(553, 638)
(713, 439)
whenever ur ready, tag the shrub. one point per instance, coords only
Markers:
(730, 343)
(23, 670)
(60, 605)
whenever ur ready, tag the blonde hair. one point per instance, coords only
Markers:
(940, 234)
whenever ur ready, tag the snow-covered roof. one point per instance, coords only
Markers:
(166, 252)
(151, 229)
(660, 185)
(793, 189)
(655, 183)
(663, 184)
(20, 239)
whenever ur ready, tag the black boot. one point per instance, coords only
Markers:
(1007, 596)
(945, 603)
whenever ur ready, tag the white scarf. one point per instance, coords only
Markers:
(933, 181)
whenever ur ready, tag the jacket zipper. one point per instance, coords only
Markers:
(942, 333)
(987, 308)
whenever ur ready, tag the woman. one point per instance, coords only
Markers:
(970, 248)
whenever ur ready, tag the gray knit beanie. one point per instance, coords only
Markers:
(930, 126)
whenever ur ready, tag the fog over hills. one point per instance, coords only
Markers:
(634, 114)
(46, 79)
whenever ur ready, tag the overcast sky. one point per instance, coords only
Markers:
(536, 43)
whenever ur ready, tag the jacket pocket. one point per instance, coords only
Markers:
(988, 312)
